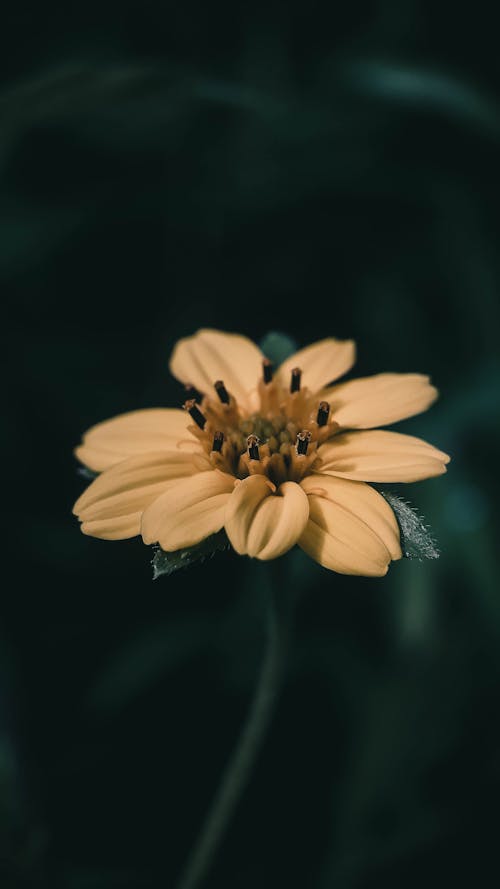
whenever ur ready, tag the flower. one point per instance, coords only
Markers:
(276, 456)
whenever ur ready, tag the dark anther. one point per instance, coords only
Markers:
(253, 447)
(222, 391)
(192, 408)
(192, 392)
(267, 370)
(295, 380)
(323, 413)
(303, 439)
(218, 442)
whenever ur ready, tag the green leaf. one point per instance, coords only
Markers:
(87, 473)
(417, 541)
(277, 346)
(167, 563)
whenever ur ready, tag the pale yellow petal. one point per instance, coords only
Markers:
(339, 539)
(362, 501)
(247, 496)
(190, 510)
(112, 506)
(134, 433)
(379, 400)
(116, 528)
(125, 503)
(264, 524)
(212, 355)
(321, 363)
(380, 456)
(158, 467)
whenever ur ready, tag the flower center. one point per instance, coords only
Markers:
(275, 432)
(279, 439)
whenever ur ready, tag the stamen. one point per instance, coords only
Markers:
(303, 439)
(295, 380)
(221, 391)
(192, 408)
(267, 370)
(192, 392)
(323, 413)
(218, 442)
(253, 447)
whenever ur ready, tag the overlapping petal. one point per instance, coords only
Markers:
(262, 522)
(321, 363)
(362, 501)
(212, 355)
(137, 432)
(111, 507)
(378, 456)
(379, 400)
(351, 528)
(115, 528)
(189, 510)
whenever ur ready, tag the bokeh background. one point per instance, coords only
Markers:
(320, 170)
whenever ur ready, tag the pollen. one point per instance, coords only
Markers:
(279, 439)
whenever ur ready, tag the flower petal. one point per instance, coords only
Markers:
(190, 510)
(111, 507)
(117, 528)
(212, 355)
(123, 503)
(133, 433)
(349, 531)
(157, 467)
(321, 363)
(264, 524)
(380, 456)
(362, 501)
(379, 400)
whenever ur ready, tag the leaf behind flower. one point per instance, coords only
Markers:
(277, 346)
(417, 541)
(168, 563)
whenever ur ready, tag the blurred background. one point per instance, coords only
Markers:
(310, 169)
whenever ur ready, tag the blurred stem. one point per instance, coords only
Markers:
(281, 602)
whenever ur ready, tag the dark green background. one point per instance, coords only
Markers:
(317, 169)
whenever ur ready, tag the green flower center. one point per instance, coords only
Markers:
(277, 432)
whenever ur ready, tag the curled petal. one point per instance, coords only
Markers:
(379, 456)
(349, 531)
(189, 510)
(263, 523)
(212, 355)
(137, 432)
(361, 501)
(321, 363)
(379, 400)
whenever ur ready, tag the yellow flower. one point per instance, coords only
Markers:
(276, 456)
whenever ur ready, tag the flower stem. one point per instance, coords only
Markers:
(238, 769)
